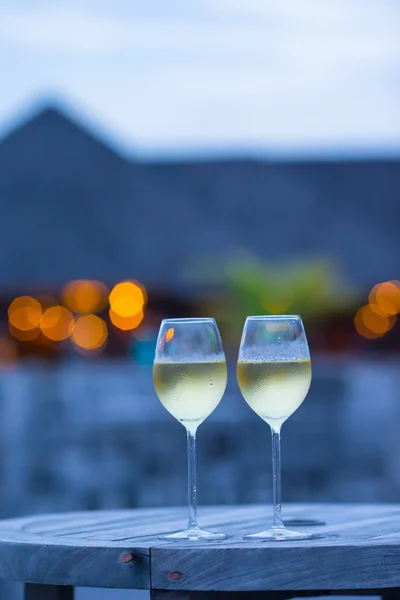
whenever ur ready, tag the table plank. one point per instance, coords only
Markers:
(359, 548)
(279, 568)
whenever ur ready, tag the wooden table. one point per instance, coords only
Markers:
(357, 551)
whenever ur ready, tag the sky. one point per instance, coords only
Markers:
(210, 76)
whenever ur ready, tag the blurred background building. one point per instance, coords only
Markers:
(206, 158)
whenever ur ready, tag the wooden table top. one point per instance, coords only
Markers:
(359, 547)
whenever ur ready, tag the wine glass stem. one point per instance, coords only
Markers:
(192, 484)
(276, 478)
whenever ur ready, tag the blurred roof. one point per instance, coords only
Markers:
(74, 208)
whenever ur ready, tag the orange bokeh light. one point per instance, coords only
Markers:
(126, 306)
(170, 334)
(24, 313)
(57, 323)
(127, 299)
(85, 296)
(387, 296)
(372, 322)
(90, 332)
(23, 336)
(126, 323)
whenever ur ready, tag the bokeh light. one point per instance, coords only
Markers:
(23, 335)
(90, 332)
(57, 323)
(127, 300)
(24, 313)
(85, 296)
(372, 322)
(387, 296)
(126, 323)
(170, 334)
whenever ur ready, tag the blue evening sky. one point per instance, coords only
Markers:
(238, 76)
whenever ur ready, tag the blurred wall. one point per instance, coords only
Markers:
(91, 436)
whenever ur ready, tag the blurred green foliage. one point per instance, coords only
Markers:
(246, 286)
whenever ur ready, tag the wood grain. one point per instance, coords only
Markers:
(48, 592)
(358, 549)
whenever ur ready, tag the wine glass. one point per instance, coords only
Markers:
(190, 376)
(274, 376)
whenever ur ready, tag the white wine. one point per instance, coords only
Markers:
(274, 390)
(190, 391)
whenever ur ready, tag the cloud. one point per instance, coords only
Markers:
(70, 29)
(214, 69)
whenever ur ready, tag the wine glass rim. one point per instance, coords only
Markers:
(273, 317)
(190, 320)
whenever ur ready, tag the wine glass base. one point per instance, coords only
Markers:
(194, 535)
(278, 534)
